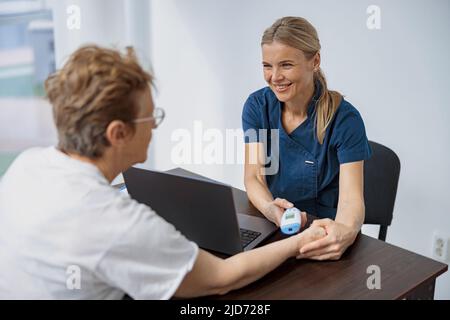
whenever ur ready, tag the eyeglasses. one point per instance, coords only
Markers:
(157, 117)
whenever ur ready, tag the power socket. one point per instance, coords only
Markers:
(439, 247)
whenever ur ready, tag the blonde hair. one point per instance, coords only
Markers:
(298, 33)
(95, 87)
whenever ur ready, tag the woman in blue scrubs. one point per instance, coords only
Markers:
(321, 145)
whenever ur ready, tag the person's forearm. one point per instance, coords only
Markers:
(246, 267)
(258, 193)
(211, 275)
(351, 214)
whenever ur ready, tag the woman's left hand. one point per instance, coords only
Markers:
(339, 237)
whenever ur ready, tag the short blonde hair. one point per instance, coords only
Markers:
(95, 86)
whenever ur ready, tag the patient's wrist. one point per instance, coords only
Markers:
(265, 210)
(295, 243)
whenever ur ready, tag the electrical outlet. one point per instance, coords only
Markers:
(440, 247)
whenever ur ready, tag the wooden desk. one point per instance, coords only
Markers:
(404, 274)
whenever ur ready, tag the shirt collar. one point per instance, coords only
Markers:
(73, 164)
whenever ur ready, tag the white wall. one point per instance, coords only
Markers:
(101, 22)
(109, 23)
(206, 57)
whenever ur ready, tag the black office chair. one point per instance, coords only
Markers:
(381, 174)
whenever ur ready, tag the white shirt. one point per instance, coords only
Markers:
(65, 233)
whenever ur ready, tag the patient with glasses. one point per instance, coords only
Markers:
(65, 233)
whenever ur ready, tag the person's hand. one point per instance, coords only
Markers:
(311, 234)
(339, 237)
(274, 211)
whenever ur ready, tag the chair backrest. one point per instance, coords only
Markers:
(381, 175)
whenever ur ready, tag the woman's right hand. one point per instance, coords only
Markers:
(274, 210)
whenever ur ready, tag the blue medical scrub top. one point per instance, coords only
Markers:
(308, 172)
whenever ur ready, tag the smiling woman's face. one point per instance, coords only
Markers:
(287, 71)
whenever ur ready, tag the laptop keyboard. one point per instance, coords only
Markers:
(248, 236)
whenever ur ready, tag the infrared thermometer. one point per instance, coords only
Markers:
(291, 221)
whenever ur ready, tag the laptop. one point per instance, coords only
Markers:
(203, 210)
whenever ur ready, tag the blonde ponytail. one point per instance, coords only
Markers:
(326, 106)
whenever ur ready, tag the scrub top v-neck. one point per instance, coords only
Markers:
(308, 172)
